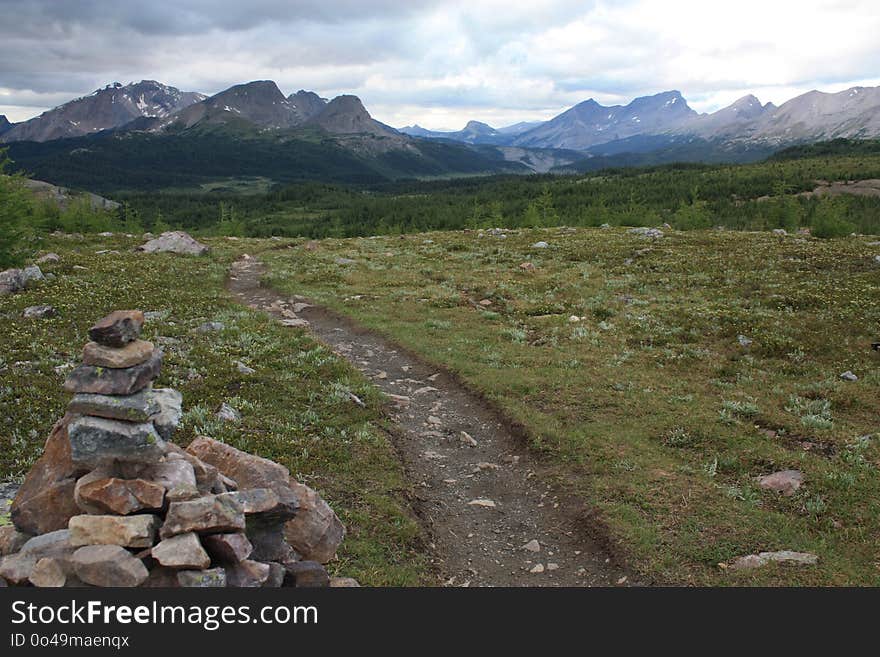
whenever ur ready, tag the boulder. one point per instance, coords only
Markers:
(31, 274)
(108, 565)
(316, 532)
(45, 500)
(128, 531)
(304, 574)
(118, 328)
(213, 578)
(276, 576)
(11, 539)
(182, 551)
(133, 353)
(95, 440)
(139, 407)
(228, 548)
(170, 412)
(247, 470)
(228, 414)
(109, 381)
(247, 574)
(174, 242)
(48, 258)
(209, 514)
(98, 494)
(48, 573)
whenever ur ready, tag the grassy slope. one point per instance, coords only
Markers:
(296, 409)
(649, 407)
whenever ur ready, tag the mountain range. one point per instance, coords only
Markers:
(310, 137)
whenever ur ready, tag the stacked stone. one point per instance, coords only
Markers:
(112, 502)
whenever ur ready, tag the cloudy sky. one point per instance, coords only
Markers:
(436, 63)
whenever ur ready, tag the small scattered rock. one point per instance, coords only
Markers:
(244, 369)
(344, 261)
(532, 546)
(782, 556)
(527, 266)
(228, 414)
(537, 568)
(786, 481)
(48, 258)
(540, 245)
(642, 231)
(744, 341)
(849, 376)
(39, 312)
(210, 327)
(489, 504)
(467, 439)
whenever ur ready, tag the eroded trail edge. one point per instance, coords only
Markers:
(491, 519)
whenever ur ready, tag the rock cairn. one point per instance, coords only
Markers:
(112, 502)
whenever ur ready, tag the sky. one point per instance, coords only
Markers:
(440, 64)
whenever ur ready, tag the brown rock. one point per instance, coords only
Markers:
(118, 328)
(17, 568)
(118, 496)
(128, 531)
(247, 574)
(305, 574)
(247, 470)
(170, 473)
(108, 381)
(207, 476)
(266, 503)
(182, 551)
(228, 548)
(11, 540)
(48, 573)
(209, 514)
(45, 501)
(343, 583)
(134, 353)
(316, 532)
(213, 578)
(108, 565)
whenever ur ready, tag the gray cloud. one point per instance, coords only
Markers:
(438, 60)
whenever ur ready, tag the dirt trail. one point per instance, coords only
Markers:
(478, 490)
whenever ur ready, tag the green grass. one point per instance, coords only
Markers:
(648, 408)
(292, 408)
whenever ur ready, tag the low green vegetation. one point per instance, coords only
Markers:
(658, 378)
(295, 407)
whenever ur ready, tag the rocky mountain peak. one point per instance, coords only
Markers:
(308, 103)
(5, 125)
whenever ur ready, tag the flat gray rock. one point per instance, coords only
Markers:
(94, 440)
(139, 407)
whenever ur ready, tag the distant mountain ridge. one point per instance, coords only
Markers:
(111, 107)
(813, 116)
